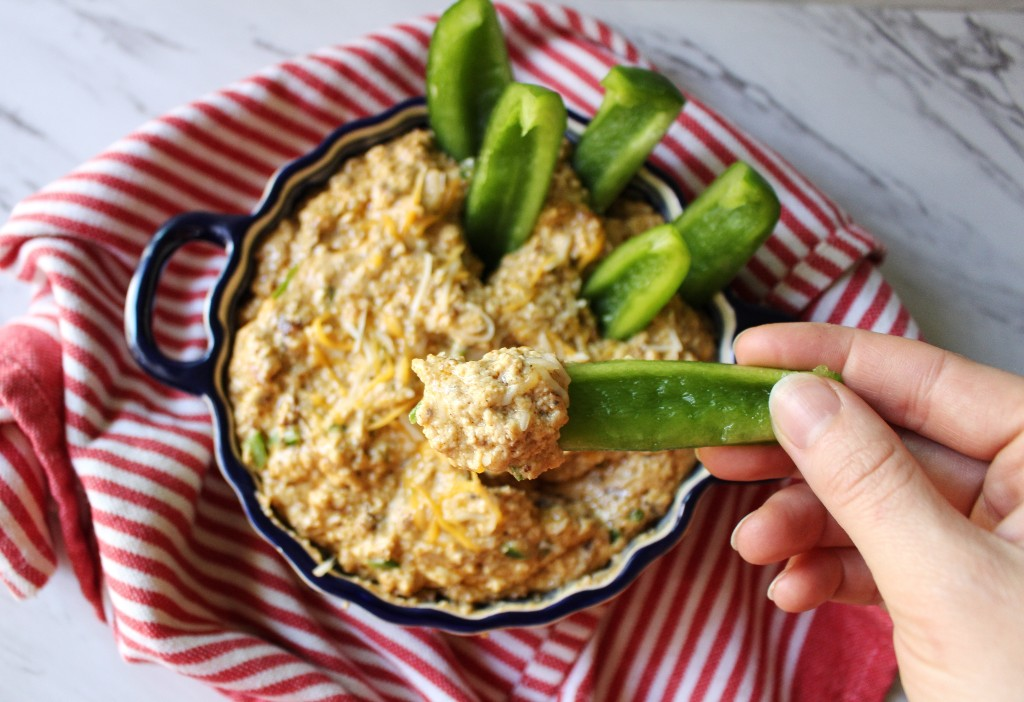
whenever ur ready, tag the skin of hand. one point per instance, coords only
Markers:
(905, 487)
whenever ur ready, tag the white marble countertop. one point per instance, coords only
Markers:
(911, 119)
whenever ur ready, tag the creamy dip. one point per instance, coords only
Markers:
(372, 273)
(499, 414)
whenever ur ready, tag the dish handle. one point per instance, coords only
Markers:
(194, 376)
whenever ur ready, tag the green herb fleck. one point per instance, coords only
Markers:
(637, 515)
(613, 535)
(414, 412)
(279, 290)
(512, 551)
(290, 436)
(384, 564)
(516, 472)
(257, 446)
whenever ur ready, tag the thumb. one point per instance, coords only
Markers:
(860, 470)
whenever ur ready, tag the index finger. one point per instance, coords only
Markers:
(949, 399)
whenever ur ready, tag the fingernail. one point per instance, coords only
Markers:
(802, 406)
(735, 530)
(773, 583)
(1011, 528)
(736, 341)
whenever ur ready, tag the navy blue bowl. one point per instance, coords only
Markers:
(207, 376)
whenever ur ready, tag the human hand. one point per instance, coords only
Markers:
(907, 490)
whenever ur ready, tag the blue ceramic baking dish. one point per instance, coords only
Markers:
(207, 376)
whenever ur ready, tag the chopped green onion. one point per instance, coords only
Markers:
(279, 290)
(384, 564)
(512, 552)
(637, 515)
(257, 446)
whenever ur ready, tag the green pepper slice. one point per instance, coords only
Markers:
(637, 109)
(467, 70)
(656, 405)
(723, 227)
(513, 172)
(631, 285)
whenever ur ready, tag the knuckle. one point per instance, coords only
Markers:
(1003, 489)
(868, 478)
(925, 380)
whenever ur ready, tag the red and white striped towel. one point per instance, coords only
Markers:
(149, 523)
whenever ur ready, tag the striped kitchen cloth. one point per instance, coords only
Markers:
(152, 529)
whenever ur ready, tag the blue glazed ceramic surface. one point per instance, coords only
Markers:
(207, 376)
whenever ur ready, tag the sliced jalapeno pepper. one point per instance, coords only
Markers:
(656, 405)
(632, 283)
(638, 107)
(513, 171)
(723, 227)
(467, 69)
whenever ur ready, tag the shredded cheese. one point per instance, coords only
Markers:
(424, 223)
(386, 373)
(392, 325)
(417, 190)
(473, 486)
(403, 370)
(326, 339)
(421, 289)
(391, 416)
(325, 567)
(360, 330)
(454, 530)
(428, 513)
(486, 324)
(320, 357)
(390, 226)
